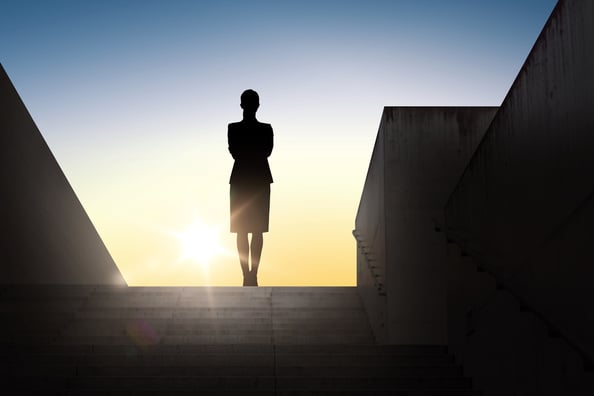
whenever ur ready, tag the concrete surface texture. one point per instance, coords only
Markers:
(524, 209)
(418, 156)
(45, 234)
(226, 340)
(503, 347)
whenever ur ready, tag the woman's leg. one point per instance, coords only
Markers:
(256, 251)
(243, 250)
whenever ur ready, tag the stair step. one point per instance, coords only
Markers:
(323, 339)
(127, 349)
(44, 292)
(373, 372)
(177, 312)
(253, 383)
(41, 307)
(191, 322)
(221, 312)
(380, 392)
(42, 346)
(167, 370)
(71, 370)
(236, 359)
(194, 330)
(374, 349)
(232, 360)
(267, 392)
(151, 339)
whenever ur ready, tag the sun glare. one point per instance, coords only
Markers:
(199, 242)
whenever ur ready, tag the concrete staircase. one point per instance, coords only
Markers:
(162, 340)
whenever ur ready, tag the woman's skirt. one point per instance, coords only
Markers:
(250, 207)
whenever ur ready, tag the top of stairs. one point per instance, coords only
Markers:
(71, 314)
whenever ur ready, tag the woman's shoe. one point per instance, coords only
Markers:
(250, 279)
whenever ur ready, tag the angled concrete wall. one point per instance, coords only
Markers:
(418, 156)
(45, 234)
(524, 207)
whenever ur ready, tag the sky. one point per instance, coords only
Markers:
(134, 98)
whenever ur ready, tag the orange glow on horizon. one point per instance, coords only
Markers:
(145, 204)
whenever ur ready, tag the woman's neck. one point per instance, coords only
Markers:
(249, 116)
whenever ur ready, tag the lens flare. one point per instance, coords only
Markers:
(199, 242)
(142, 333)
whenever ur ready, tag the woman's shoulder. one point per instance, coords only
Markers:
(265, 126)
(251, 126)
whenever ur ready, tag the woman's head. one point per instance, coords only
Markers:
(250, 101)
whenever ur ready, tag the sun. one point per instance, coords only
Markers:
(199, 242)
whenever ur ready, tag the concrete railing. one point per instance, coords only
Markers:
(418, 155)
(524, 208)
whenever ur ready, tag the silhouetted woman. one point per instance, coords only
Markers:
(250, 144)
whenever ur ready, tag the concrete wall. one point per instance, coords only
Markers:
(418, 156)
(370, 233)
(45, 234)
(524, 208)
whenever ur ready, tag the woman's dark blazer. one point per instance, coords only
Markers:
(250, 144)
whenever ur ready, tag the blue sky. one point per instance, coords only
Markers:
(203, 44)
(133, 97)
(188, 60)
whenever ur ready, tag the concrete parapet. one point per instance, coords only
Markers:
(419, 154)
